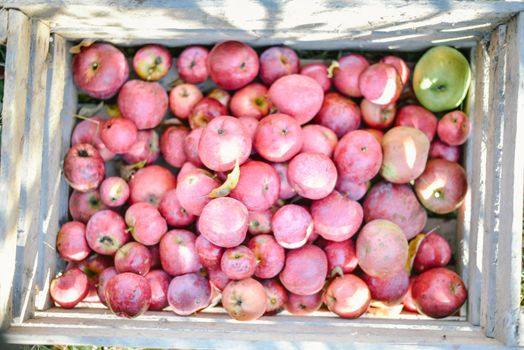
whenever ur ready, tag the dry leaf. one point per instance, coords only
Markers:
(228, 185)
(78, 48)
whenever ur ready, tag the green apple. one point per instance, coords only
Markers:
(441, 78)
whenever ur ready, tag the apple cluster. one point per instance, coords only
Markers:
(285, 187)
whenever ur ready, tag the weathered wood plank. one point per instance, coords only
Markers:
(61, 105)
(3, 25)
(218, 331)
(471, 215)
(14, 111)
(267, 18)
(504, 185)
(510, 186)
(29, 231)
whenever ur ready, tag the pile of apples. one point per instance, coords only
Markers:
(275, 191)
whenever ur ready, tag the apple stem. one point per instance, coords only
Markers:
(331, 68)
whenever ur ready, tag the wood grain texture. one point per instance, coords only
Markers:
(14, 113)
(507, 209)
(54, 195)
(210, 330)
(504, 185)
(28, 228)
(3, 25)
(371, 25)
(471, 215)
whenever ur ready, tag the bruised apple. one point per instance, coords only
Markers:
(339, 113)
(128, 294)
(189, 293)
(305, 270)
(390, 289)
(84, 168)
(70, 288)
(133, 257)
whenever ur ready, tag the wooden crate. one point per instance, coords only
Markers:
(40, 99)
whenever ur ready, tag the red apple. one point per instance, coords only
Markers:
(144, 103)
(438, 292)
(258, 187)
(278, 138)
(238, 263)
(210, 254)
(390, 289)
(298, 96)
(377, 116)
(128, 294)
(218, 278)
(118, 134)
(312, 175)
(358, 156)
(88, 131)
(189, 293)
(347, 73)
(244, 300)
(204, 111)
(286, 191)
(336, 217)
(70, 288)
(155, 256)
(405, 152)
(319, 72)
(380, 84)
(178, 254)
(172, 145)
(100, 70)
(145, 223)
(149, 184)
(442, 186)
(339, 113)
(192, 64)
(454, 128)
(84, 169)
(399, 64)
(224, 142)
(418, 117)
(220, 95)
(302, 305)
(114, 191)
(251, 101)
(305, 270)
(133, 257)
(223, 222)
(232, 64)
(382, 248)
(347, 296)
(319, 139)
(191, 146)
(407, 301)
(250, 124)
(377, 134)
(71, 241)
(146, 148)
(183, 98)
(152, 62)
(396, 203)
(276, 62)
(433, 251)
(341, 255)
(276, 296)
(103, 278)
(292, 225)
(193, 189)
(439, 149)
(106, 232)
(159, 283)
(174, 214)
(270, 256)
(350, 189)
(259, 222)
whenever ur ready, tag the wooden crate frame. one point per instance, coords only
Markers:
(40, 99)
